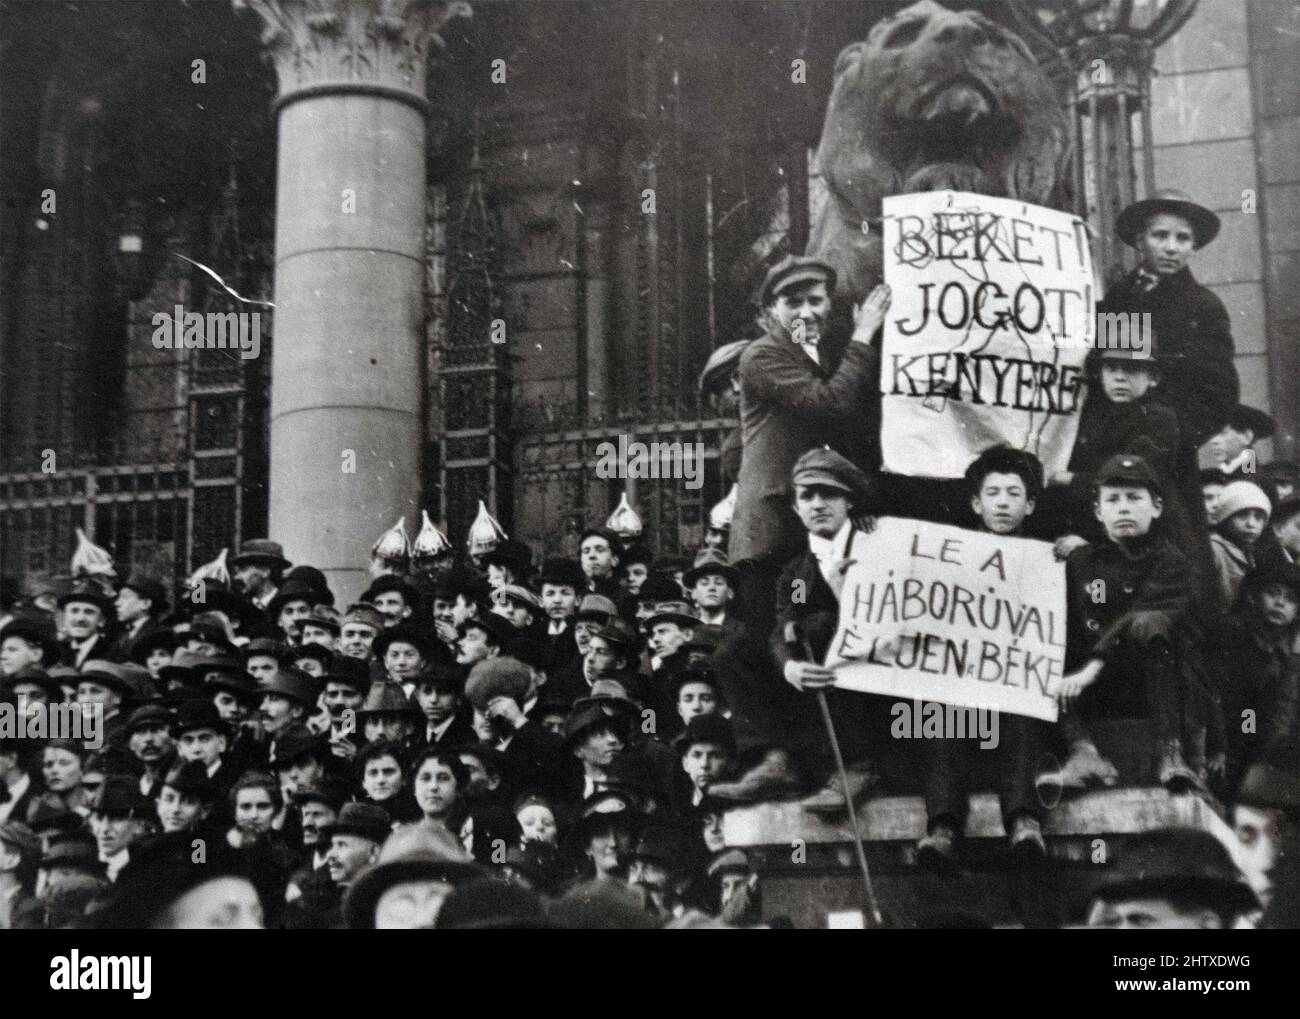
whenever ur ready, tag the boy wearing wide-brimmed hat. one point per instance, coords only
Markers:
(712, 586)
(1189, 325)
(1233, 445)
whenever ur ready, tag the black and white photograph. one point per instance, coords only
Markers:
(649, 464)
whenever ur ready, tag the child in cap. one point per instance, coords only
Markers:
(1253, 657)
(1240, 517)
(1127, 597)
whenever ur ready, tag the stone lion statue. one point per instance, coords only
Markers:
(932, 100)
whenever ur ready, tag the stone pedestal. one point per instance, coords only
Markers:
(347, 383)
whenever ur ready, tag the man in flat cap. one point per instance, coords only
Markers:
(799, 389)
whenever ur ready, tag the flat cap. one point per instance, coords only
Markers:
(795, 269)
(824, 466)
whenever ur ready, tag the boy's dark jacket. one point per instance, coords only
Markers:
(1145, 591)
(1255, 669)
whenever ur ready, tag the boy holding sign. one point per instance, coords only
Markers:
(1004, 484)
(1127, 597)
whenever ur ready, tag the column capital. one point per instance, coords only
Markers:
(353, 46)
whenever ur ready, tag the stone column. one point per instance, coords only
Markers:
(347, 379)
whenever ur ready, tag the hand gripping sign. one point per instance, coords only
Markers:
(992, 316)
(967, 618)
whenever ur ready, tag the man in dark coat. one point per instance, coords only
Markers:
(799, 389)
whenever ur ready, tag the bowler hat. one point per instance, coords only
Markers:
(490, 904)
(35, 674)
(368, 820)
(154, 640)
(610, 695)
(330, 790)
(605, 807)
(228, 676)
(392, 582)
(426, 851)
(563, 573)
(514, 555)
(349, 671)
(260, 552)
(297, 589)
(793, 269)
(1178, 862)
(710, 560)
(191, 778)
(693, 674)
(405, 633)
(153, 590)
(296, 652)
(1133, 219)
(707, 729)
(38, 631)
(296, 745)
(101, 601)
(210, 631)
(294, 684)
(590, 713)
(447, 677)
(618, 632)
(73, 850)
(497, 677)
(315, 579)
(659, 587)
(824, 466)
(199, 713)
(1243, 418)
(500, 629)
(120, 794)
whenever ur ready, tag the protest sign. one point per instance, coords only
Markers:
(967, 618)
(992, 316)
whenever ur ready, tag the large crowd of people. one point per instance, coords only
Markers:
(494, 737)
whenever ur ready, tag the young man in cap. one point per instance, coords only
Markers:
(262, 658)
(712, 586)
(300, 762)
(202, 736)
(826, 487)
(667, 632)
(596, 732)
(1123, 649)
(358, 630)
(799, 388)
(141, 602)
(86, 616)
(599, 553)
(1172, 878)
(320, 627)
(292, 603)
(404, 651)
(104, 685)
(388, 715)
(347, 681)
(149, 738)
(258, 568)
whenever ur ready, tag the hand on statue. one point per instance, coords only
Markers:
(868, 316)
(808, 675)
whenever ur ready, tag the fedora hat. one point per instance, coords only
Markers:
(199, 713)
(674, 611)
(419, 852)
(1131, 221)
(101, 601)
(389, 698)
(1244, 418)
(109, 674)
(406, 633)
(294, 684)
(563, 573)
(36, 675)
(499, 628)
(120, 794)
(368, 820)
(710, 560)
(349, 671)
(148, 643)
(261, 552)
(721, 363)
(296, 589)
(191, 777)
(1177, 861)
